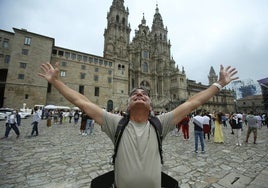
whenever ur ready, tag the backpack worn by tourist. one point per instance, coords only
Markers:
(107, 180)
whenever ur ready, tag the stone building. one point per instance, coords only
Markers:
(145, 61)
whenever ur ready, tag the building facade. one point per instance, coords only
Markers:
(145, 61)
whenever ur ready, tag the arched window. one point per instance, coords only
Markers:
(117, 18)
(145, 67)
(123, 21)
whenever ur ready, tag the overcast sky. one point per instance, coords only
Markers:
(203, 33)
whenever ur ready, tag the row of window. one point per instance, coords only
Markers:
(63, 74)
(79, 57)
(81, 90)
(96, 90)
(5, 42)
(83, 76)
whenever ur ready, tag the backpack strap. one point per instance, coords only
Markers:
(122, 125)
(118, 134)
(159, 130)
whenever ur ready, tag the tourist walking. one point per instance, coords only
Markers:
(11, 123)
(89, 126)
(35, 122)
(76, 117)
(83, 123)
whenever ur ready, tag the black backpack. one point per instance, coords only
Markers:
(122, 125)
(107, 180)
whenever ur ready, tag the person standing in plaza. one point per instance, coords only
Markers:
(138, 160)
(252, 123)
(185, 127)
(206, 125)
(35, 122)
(76, 117)
(11, 123)
(83, 123)
(89, 126)
(218, 134)
(198, 122)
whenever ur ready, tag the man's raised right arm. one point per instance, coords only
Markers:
(51, 73)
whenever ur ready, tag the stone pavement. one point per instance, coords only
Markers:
(61, 158)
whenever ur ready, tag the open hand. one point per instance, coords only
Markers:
(227, 75)
(50, 73)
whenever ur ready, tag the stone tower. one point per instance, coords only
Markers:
(212, 77)
(116, 44)
(117, 33)
(152, 67)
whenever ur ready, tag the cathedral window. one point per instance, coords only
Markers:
(145, 67)
(67, 55)
(82, 75)
(62, 73)
(145, 54)
(81, 89)
(96, 60)
(24, 51)
(73, 56)
(96, 78)
(64, 64)
(60, 53)
(21, 76)
(119, 67)
(23, 65)
(79, 57)
(27, 41)
(123, 21)
(83, 67)
(5, 43)
(117, 18)
(96, 69)
(7, 59)
(97, 91)
(84, 58)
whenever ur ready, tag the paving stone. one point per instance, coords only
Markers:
(61, 158)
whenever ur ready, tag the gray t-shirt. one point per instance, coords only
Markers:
(138, 162)
(252, 121)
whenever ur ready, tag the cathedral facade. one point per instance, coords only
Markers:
(145, 61)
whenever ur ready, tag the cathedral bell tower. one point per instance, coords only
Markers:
(212, 77)
(117, 33)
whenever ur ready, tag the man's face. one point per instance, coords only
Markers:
(139, 97)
